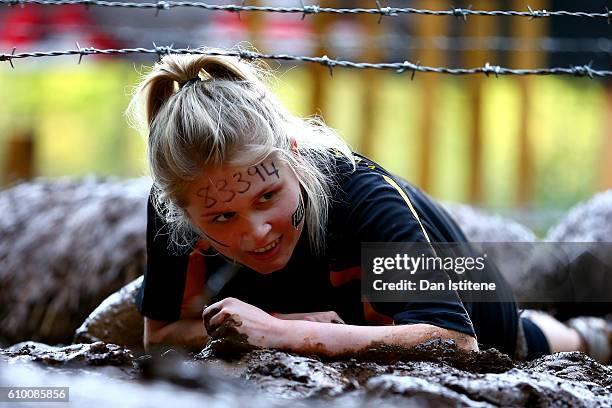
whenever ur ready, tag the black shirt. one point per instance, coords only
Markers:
(369, 205)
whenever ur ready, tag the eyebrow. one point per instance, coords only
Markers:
(259, 194)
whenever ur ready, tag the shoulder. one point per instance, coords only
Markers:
(369, 183)
(373, 204)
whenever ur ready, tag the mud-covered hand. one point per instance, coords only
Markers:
(321, 317)
(261, 329)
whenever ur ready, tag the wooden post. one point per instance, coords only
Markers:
(19, 158)
(369, 78)
(477, 26)
(429, 26)
(254, 24)
(606, 151)
(319, 73)
(527, 31)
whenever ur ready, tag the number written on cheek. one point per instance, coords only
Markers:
(208, 200)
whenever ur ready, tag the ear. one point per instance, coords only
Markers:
(294, 146)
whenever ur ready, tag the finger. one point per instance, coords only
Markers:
(208, 314)
(218, 319)
(335, 318)
(208, 309)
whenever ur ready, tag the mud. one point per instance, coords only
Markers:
(92, 243)
(226, 342)
(588, 221)
(268, 378)
(442, 351)
(116, 320)
(481, 226)
(76, 355)
(66, 245)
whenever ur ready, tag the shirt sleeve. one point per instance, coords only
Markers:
(161, 293)
(379, 210)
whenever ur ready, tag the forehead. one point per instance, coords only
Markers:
(267, 170)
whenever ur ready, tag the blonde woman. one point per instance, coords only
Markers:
(236, 174)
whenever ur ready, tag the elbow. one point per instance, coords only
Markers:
(152, 335)
(464, 342)
(469, 343)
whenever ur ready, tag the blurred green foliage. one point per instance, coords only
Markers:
(76, 115)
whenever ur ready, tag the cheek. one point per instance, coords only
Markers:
(283, 212)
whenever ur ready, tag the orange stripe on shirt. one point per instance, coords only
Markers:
(375, 318)
(339, 278)
(192, 305)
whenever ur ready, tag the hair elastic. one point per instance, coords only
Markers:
(189, 82)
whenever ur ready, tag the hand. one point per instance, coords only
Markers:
(321, 317)
(233, 315)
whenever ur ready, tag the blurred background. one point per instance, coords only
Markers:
(528, 147)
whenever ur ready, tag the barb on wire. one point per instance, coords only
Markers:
(578, 70)
(488, 68)
(306, 9)
(316, 9)
(163, 50)
(583, 70)
(537, 13)
(384, 11)
(9, 57)
(462, 13)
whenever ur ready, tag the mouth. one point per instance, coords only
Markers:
(267, 252)
(268, 247)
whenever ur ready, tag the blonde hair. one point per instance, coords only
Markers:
(226, 114)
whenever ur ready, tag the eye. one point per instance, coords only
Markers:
(266, 197)
(224, 217)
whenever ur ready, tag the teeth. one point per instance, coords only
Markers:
(268, 247)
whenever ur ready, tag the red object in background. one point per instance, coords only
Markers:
(74, 20)
(25, 27)
(21, 26)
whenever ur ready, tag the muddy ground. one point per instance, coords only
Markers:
(434, 374)
(67, 245)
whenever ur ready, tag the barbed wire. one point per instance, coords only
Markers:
(400, 67)
(305, 10)
(386, 41)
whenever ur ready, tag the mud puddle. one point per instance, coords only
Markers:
(433, 374)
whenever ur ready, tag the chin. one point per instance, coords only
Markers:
(268, 268)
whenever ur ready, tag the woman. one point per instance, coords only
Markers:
(235, 173)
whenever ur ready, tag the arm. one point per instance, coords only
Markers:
(188, 333)
(264, 330)
(321, 317)
(168, 298)
(332, 339)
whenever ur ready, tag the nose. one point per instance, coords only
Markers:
(256, 232)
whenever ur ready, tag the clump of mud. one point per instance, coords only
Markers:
(116, 320)
(437, 350)
(481, 226)
(226, 341)
(95, 354)
(65, 245)
(588, 221)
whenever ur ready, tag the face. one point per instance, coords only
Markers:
(251, 214)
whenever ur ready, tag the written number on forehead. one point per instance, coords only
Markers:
(261, 170)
